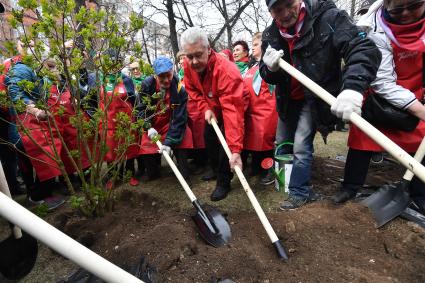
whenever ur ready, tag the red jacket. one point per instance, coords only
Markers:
(221, 90)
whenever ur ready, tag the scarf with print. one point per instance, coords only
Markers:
(257, 80)
(286, 32)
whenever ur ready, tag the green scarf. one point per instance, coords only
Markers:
(138, 81)
(242, 66)
(111, 81)
(181, 74)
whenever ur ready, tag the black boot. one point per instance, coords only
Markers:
(220, 193)
(343, 196)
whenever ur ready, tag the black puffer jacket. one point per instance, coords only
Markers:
(328, 35)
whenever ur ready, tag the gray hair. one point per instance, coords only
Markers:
(193, 35)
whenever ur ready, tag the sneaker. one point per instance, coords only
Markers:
(292, 203)
(377, 158)
(133, 182)
(51, 202)
(268, 179)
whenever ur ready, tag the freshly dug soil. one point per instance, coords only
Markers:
(326, 243)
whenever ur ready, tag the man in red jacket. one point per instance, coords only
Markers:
(217, 86)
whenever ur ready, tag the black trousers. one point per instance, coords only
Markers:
(152, 163)
(357, 166)
(256, 158)
(218, 159)
(8, 155)
(129, 166)
(199, 156)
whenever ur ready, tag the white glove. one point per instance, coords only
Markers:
(38, 113)
(165, 148)
(348, 101)
(271, 58)
(152, 133)
(69, 43)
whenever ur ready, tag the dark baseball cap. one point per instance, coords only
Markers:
(364, 6)
(270, 3)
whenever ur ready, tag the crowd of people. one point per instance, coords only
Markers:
(256, 104)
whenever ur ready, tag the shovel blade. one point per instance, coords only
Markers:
(388, 202)
(18, 256)
(392, 209)
(212, 226)
(381, 198)
(414, 216)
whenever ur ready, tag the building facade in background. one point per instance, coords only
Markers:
(6, 32)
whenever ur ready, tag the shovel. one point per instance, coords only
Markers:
(212, 226)
(397, 152)
(18, 252)
(391, 200)
(62, 243)
(266, 224)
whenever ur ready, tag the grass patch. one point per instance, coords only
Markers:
(169, 190)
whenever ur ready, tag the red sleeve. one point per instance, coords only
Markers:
(231, 89)
(194, 92)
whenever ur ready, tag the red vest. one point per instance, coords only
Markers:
(408, 67)
(260, 116)
(119, 103)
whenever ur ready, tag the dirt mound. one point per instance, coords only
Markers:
(325, 243)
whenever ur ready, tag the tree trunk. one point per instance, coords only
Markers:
(173, 31)
(230, 22)
(352, 8)
(228, 27)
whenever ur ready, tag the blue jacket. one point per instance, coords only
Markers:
(21, 72)
(178, 102)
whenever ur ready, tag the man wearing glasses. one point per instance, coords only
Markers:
(398, 29)
(217, 86)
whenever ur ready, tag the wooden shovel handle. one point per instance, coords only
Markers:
(261, 215)
(419, 155)
(397, 152)
(178, 174)
(4, 188)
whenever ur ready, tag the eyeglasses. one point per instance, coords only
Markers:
(412, 7)
(197, 55)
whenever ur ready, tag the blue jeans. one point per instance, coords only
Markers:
(298, 127)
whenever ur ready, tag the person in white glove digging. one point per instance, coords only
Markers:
(314, 36)
(169, 118)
